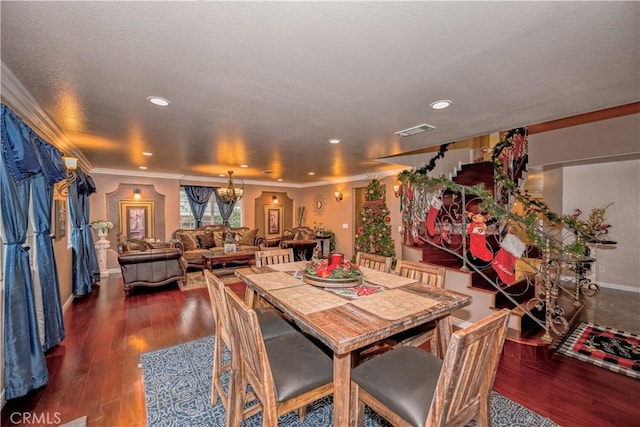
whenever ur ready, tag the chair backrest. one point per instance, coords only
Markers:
(374, 262)
(429, 274)
(218, 306)
(274, 256)
(248, 342)
(469, 369)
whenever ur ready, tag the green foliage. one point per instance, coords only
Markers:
(374, 235)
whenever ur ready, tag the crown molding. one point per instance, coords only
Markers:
(16, 96)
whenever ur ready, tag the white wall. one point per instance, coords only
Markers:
(596, 185)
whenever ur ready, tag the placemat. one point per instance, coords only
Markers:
(387, 280)
(308, 299)
(275, 280)
(394, 304)
(289, 266)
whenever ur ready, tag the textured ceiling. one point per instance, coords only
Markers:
(267, 84)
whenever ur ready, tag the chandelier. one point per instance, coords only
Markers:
(230, 194)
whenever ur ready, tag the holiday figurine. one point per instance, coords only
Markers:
(478, 240)
(511, 249)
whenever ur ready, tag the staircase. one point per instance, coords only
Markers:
(524, 338)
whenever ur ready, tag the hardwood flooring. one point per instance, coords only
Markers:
(95, 372)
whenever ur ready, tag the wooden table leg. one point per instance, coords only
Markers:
(341, 388)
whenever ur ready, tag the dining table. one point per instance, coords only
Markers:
(348, 320)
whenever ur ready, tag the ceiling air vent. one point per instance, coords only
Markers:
(415, 130)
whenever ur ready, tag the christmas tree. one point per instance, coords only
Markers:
(374, 234)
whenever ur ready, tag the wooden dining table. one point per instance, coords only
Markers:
(346, 322)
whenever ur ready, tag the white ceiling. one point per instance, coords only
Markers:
(268, 83)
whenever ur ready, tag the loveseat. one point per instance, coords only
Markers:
(152, 267)
(211, 238)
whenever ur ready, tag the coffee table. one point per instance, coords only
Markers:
(238, 258)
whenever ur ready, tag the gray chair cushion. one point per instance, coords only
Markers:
(297, 365)
(404, 379)
(272, 325)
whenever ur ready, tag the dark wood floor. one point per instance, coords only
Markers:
(95, 371)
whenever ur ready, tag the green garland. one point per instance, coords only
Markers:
(534, 210)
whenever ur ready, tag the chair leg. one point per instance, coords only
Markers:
(357, 407)
(302, 412)
(483, 419)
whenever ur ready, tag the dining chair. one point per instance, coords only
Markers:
(271, 323)
(274, 256)
(411, 387)
(431, 275)
(286, 373)
(374, 262)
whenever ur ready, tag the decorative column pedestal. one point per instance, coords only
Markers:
(101, 251)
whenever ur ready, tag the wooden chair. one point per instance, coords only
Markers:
(431, 275)
(272, 325)
(374, 262)
(410, 387)
(286, 373)
(428, 274)
(274, 256)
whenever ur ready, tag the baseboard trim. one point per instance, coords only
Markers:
(67, 303)
(626, 288)
(115, 272)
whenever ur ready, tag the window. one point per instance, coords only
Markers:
(188, 222)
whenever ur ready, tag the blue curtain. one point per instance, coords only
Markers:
(86, 187)
(226, 209)
(81, 274)
(42, 197)
(25, 365)
(198, 198)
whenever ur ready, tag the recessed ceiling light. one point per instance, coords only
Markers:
(146, 153)
(244, 166)
(222, 174)
(157, 100)
(334, 141)
(143, 167)
(312, 173)
(440, 105)
(279, 179)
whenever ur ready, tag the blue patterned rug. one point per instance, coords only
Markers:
(177, 386)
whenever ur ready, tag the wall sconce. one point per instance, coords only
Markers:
(275, 199)
(396, 191)
(71, 163)
(338, 196)
(136, 194)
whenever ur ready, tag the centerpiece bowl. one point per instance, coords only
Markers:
(337, 275)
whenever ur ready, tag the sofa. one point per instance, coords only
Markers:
(211, 238)
(302, 240)
(152, 267)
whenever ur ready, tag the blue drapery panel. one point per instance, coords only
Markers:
(25, 366)
(226, 209)
(198, 198)
(81, 273)
(86, 187)
(42, 199)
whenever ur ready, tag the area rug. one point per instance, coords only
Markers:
(177, 387)
(195, 280)
(608, 348)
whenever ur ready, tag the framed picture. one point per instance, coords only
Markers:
(136, 219)
(60, 218)
(272, 221)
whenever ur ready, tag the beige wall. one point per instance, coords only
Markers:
(596, 185)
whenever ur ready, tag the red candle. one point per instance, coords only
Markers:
(336, 259)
